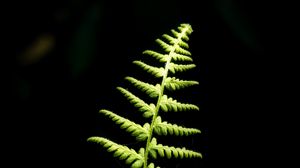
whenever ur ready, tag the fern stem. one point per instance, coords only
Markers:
(166, 70)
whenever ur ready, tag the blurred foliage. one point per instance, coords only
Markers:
(41, 46)
(83, 43)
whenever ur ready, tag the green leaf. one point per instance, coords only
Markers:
(180, 50)
(130, 159)
(161, 152)
(155, 71)
(136, 130)
(180, 67)
(142, 137)
(174, 151)
(137, 164)
(164, 128)
(138, 103)
(124, 156)
(153, 153)
(120, 151)
(176, 84)
(170, 152)
(175, 33)
(183, 44)
(175, 41)
(163, 107)
(142, 152)
(156, 55)
(151, 165)
(164, 45)
(180, 57)
(170, 39)
(151, 90)
(168, 104)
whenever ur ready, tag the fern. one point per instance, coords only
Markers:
(175, 49)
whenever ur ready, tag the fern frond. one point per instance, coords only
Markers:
(146, 109)
(157, 72)
(187, 27)
(164, 128)
(176, 84)
(151, 90)
(156, 55)
(180, 67)
(122, 152)
(164, 45)
(180, 57)
(136, 130)
(169, 152)
(174, 50)
(168, 104)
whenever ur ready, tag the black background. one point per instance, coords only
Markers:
(57, 94)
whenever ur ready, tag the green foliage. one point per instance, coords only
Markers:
(176, 84)
(175, 49)
(147, 109)
(136, 130)
(169, 152)
(151, 90)
(164, 128)
(168, 104)
(122, 152)
(157, 72)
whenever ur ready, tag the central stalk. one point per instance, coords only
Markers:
(165, 75)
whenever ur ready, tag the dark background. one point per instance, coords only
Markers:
(69, 56)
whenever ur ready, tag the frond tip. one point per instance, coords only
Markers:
(120, 151)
